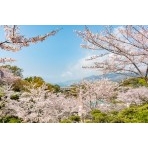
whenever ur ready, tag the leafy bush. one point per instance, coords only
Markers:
(133, 114)
(1, 94)
(95, 111)
(10, 119)
(135, 82)
(38, 82)
(14, 97)
(74, 118)
(99, 117)
(35, 80)
(71, 119)
(54, 88)
(19, 85)
(65, 121)
(127, 115)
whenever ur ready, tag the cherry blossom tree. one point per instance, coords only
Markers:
(39, 105)
(123, 49)
(7, 77)
(96, 95)
(14, 41)
(134, 96)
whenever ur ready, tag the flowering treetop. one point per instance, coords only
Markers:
(14, 41)
(125, 49)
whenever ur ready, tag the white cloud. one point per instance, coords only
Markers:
(76, 71)
(67, 73)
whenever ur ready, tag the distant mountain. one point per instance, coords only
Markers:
(112, 77)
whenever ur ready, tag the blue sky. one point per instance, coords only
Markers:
(57, 59)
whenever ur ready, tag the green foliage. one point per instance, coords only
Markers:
(142, 82)
(54, 88)
(38, 81)
(65, 121)
(14, 97)
(74, 118)
(10, 119)
(15, 70)
(35, 80)
(71, 119)
(133, 114)
(88, 121)
(19, 85)
(95, 111)
(1, 94)
(135, 82)
(99, 117)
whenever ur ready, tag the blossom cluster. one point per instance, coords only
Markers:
(134, 96)
(6, 76)
(125, 49)
(39, 105)
(14, 41)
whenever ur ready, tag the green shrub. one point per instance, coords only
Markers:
(10, 119)
(1, 95)
(74, 118)
(99, 117)
(133, 114)
(142, 114)
(117, 119)
(19, 85)
(95, 111)
(14, 97)
(65, 121)
(88, 121)
(1, 92)
(71, 119)
(142, 82)
(135, 82)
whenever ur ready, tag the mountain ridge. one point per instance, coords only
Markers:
(112, 77)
